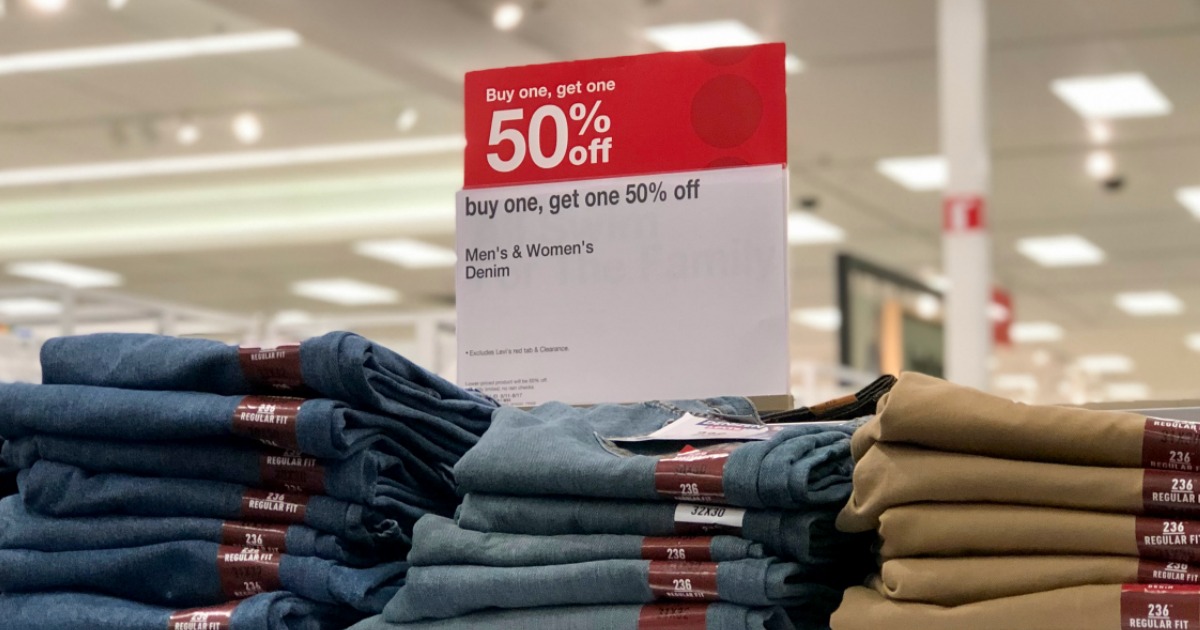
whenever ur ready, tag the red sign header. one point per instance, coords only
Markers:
(636, 115)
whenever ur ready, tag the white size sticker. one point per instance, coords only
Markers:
(689, 428)
(721, 516)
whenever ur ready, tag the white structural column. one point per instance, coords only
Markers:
(966, 246)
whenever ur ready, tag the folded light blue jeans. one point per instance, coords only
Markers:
(87, 611)
(809, 538)
(54, 489)
(186, 574)
(20, 529)
(338, 365)
(439, 541)
(451, 591)
(556, 449)
(715, 616)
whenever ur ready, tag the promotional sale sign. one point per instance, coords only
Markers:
(622, 230)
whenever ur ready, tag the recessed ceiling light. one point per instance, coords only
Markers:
(702, 35)
(792, 64)
(407, 253)
(1021, 382)
(928, 306)
(187, 134)
(1190, 198)
(1099, 131)
(65, 273)
(1035, 332)
(1109, 96)
(1067, 250)
(1149, 303)
(1105, 364)
(819, 318)
(1127, 391)
(1193, 341)
(1101, 164)
(29, 307)
(507, 16)
(247, 128)
(292, 317)
(407, 119)
(48, 6)
(345, 291)
(919, 173)
(806, 228)
(117, 5)
(241, 160)
(161, 50)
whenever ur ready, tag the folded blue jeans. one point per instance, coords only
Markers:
(21, 529)
(54, 489)
(192, 573)
(714, 616)
(319, 427)
(80, 611)
(338, 365)
(556, 449)
(441, 592)
(370, 477)
(809, 538)
(439, 541)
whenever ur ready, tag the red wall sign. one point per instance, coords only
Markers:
(620, 116)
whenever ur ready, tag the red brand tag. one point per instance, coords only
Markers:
(1165, 572)
(1169, 493)
(211, 618)
(272, 369)
(673, 617)
(244, 572)
(694, 474)
(1164, 606)
(1171, 445)
(688, 549)
(268, 419)
(292, 471)
(1168, 539)
(684, 580)
(273, 507)
(255, 536)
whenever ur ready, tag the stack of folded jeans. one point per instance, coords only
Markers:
(173, 473)
(568, 523)
(995, 515)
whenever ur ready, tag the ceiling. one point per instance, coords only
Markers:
(235, 241)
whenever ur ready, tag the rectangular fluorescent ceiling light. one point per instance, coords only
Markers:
(1020, 382)
(1190, 198)
(345, 291)
(918, 173)
(714, 34)
(1149, 303)
(1106, 96)
(819, 318)
(1067, 250)
(241, 160)
(64, 273)
(142, 52)
(29, 307)
(1105, 364)
(1127, 391)
(1035, 332)
(408, 253)
(806, 228)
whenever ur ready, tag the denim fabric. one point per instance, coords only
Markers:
(20, 529)
(324, 428)
(451, 591)
(556, 449)
(185, 574)
(54, 489)
(338, 365)
(439, 541)
(86, 611)
(369, 477)
(806, 537)
(718, 616)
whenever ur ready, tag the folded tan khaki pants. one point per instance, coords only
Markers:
(930, 412)
(890, 474)
(957, 581)
(970, 529)
(1080, 608)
